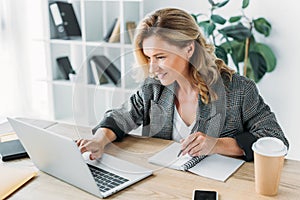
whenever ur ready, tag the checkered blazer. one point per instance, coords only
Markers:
(239, 110)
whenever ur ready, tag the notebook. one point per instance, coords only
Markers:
(60, 157)
(11, 150)
(214, 166)
(13, 178)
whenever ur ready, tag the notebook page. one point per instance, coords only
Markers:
(168, 157)
(217, 167)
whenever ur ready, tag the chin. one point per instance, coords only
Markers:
(166, 82)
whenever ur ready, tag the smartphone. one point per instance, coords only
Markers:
(205, 195)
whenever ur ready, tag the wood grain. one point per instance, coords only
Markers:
(164, 184)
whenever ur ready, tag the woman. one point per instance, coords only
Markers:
(188, 95)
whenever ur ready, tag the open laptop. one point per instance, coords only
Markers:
(60, 157)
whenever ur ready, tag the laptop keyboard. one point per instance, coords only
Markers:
(106, 180)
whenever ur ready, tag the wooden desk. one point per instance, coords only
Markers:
(164, 184)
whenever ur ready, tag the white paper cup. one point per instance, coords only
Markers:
(269, 155)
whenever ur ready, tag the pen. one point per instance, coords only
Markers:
(180, 152)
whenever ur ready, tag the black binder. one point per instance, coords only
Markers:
(64, 19)
(108, 67)
(65, 66)
(11, 150)
(110, 30)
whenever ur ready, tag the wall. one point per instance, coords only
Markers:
(22, 58)
(280, 89)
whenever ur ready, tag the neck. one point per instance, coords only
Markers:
(185, 86)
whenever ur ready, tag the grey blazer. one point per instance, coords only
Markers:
(239, 112)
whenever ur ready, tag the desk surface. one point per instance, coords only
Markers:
(164, 184)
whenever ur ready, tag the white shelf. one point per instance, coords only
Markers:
(82, 100)
(60, 41)
(104, 44)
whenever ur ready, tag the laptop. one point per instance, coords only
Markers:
(60, 157)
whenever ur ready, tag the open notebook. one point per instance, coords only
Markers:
(214, 166)
(13, 178)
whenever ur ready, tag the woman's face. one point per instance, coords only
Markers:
(167, 62)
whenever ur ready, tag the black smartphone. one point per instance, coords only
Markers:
(205, 195)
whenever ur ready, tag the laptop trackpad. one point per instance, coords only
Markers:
(118, 166)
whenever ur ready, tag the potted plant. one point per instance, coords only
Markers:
(235, 37)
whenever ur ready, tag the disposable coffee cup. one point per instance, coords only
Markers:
(269, 155)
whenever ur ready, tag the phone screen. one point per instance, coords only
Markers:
(205, 195)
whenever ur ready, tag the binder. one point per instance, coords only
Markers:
(115, 35)
(98, 73)
(131, 26)
(64, 19)
(110, 30)
(110, 70)
(65, 67)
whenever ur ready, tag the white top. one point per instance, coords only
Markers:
(180, 129)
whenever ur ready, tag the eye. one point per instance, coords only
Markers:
(148, 58)
(160, 57)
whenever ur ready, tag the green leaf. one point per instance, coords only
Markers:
(245, 4)
(236, 50)
(258, 64)
(221, 53)
(218, 19)
(195, 17)
(250, 73)
(235, 47)
(208, 27)
(238, 32)
(262, 26)
(267, 53)
(235, 60)
(211, 2)
(234, 19)
(219, 5)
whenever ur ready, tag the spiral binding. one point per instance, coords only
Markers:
(191, 163)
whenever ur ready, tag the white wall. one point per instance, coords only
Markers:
(280, 89)
(22, 59)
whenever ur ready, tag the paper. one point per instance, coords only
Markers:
(2, 119)
(214, 166)
(168, 157)
(13, 178)
(217, 167)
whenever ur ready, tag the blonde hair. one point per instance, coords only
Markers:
(178, 28)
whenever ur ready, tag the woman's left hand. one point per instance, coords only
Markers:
(198, 144)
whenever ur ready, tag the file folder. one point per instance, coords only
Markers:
(13, 178)
(64, 19)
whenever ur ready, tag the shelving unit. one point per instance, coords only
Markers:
(81, 101)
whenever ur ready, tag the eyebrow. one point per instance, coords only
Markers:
(157, 54)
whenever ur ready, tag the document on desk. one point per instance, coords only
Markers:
(214, 166)
(13, 178)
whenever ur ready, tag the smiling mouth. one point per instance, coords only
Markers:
(161, 76)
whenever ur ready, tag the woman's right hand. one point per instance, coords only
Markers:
(96, 145)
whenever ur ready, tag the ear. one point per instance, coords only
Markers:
(190, 50)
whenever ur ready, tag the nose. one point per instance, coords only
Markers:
(153, 66)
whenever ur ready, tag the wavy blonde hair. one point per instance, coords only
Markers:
(178, 28)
